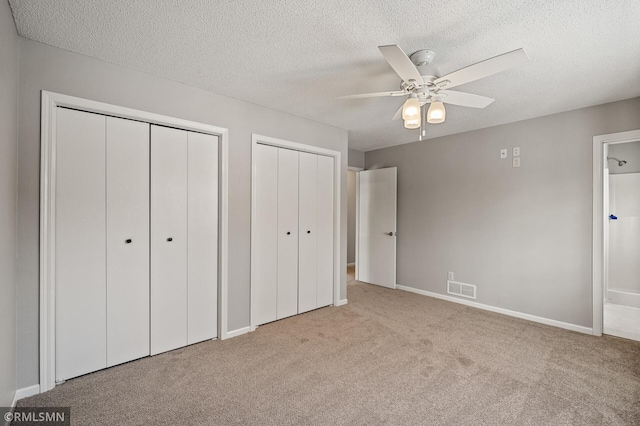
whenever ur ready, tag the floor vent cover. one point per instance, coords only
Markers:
(461, 289)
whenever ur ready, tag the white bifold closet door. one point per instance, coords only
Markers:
(325, 234)
(80, 244)
(184, 238)
(102, 242)
(127, 240)
(287, 233)
(136, 240)
(168, 239)
(293, 235)
(308, 279)
(202, 247)
(316, 232)
(265, 242)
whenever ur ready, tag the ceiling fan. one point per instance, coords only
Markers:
(429, 89)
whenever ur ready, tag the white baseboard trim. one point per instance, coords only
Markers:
(341, 302)
(351, 264)
(516, 314)
(24, 393)
(235, 333)
(625, 334)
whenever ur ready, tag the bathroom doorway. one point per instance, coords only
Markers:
(621, 202)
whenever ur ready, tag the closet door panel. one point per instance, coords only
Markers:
(127, 240)
(287, 233)
(202, 285)
(308, 205)
(265, 269)
(168, 239)
(80, 244)
(325, 230)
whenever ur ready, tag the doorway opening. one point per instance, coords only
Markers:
(352, 220)
(618, 295)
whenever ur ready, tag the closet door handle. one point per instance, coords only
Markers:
(169, 239)
(128, 241)
(308, 232)
(288, 233)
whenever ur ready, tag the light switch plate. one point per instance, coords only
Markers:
(516, 151)
(503, 153)
(516, 161)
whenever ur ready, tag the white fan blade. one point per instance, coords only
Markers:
(464, 99)
(398, 114)
(401, 63)
(483, 69)
(374, 95)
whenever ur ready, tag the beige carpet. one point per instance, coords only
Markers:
(388, 357)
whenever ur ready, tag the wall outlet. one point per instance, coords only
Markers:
(516, 151)
(516, 161)
(503, 153)
(450, 276)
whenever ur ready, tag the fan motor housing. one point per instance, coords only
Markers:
(422, 57)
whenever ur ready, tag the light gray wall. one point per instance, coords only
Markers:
(351, 216)
(8, 186)
(44, 67)
(356, 158)
(630, 152)
(522, 235)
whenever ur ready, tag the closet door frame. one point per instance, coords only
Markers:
(337, 168)
(50, 101)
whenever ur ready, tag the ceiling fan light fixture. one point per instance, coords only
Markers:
(411, 108)
(412, 123)
(436, 113)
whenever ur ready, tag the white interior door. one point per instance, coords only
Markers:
(325, 233)
(203, 238)
(605, 228)
(168, 239)
(265, 242)
(127, 240)
(80, 244)
(624, 233)
(308, 252)
(287, 291)
(377, 199)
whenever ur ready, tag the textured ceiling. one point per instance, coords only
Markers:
(297, 55)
